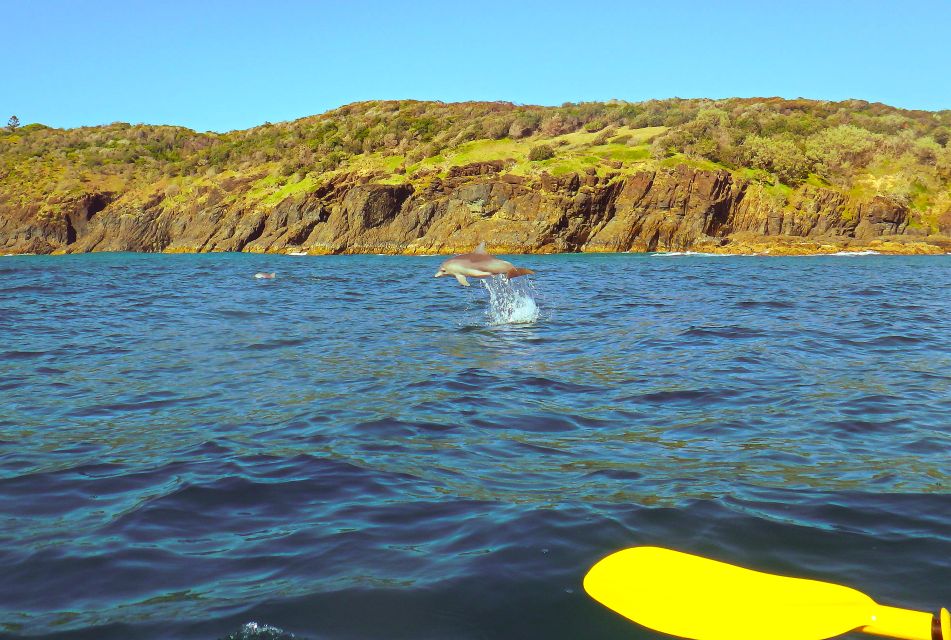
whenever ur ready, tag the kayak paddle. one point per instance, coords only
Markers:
(702, 599)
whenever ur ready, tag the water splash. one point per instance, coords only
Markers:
(255, 631)
(510, 301)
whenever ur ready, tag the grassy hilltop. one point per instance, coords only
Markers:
(857, 149)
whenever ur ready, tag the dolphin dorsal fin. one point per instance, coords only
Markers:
(481, 248)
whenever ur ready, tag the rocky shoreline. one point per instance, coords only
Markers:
(676, 209)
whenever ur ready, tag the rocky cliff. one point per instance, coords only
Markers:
(674, 209)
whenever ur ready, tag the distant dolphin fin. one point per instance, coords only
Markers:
(515, 272)
(462, 280)
(481, 249)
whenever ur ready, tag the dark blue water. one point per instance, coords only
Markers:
(352, 450)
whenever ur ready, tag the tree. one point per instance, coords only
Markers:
(13, 123)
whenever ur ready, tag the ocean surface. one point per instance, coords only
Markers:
(355, 449)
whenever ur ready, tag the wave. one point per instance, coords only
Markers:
(767, 304)
(670, 254)
(21, 355)
(277, 344)
(729, 332)
(703, 254)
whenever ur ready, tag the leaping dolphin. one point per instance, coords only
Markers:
(478, 264)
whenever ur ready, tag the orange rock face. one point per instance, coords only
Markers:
(671, 210)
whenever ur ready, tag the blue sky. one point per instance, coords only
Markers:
(231, 65)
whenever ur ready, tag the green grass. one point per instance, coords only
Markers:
(573, 152)
(374, 163)
(815, 180)
(485, 150)
(557, 166)
(262, 187)
(922, 198)
(395, 178)
(780, 191)
(308, 183)
(692, 162)
(623, 152)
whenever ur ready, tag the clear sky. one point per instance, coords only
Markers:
(221, 65)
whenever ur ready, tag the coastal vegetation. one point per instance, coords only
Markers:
(858, 149)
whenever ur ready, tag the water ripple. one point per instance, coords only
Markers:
(340, 453)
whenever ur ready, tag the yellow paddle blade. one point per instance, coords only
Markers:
(702, 599)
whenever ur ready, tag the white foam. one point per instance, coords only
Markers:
(868, 252)
(669, 254)
(510, 301)
(255, 630)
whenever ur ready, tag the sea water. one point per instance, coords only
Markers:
(354, 449)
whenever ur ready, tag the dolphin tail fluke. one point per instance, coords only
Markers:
(515, 272)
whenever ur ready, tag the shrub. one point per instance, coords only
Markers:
(559, 125)
(780, 155)
(604, 136)
(706, 136)
(595, 125)
(943, 163)
(524, 125)
(497, 129)
(839, 150)
(541, 152)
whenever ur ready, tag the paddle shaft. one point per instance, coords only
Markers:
(906, 624)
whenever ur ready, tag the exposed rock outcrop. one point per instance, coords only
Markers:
(677, 209)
